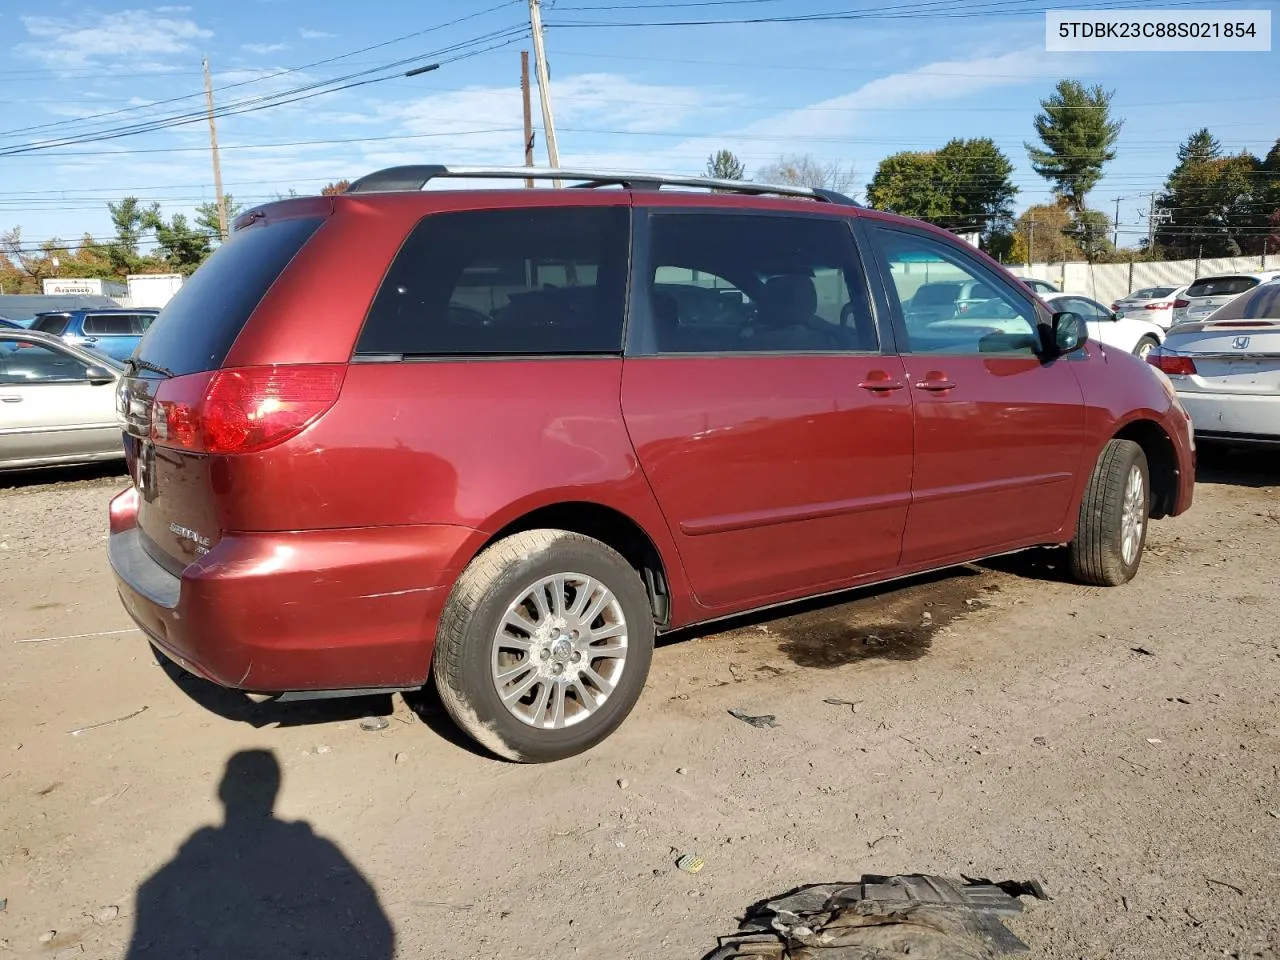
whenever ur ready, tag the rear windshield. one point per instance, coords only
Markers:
(1221, 286)
(1261, 304)
(1151, 293)
(196, 329)
(548, 281)
(52, 323)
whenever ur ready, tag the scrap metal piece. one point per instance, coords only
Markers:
(913, 916)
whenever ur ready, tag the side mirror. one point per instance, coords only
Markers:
(98, 376)
(1069, 333)
(1117, 315)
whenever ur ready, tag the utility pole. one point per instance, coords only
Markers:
(1115, 226)
(1151, 224)
(544, 83)
(213, 145)
(1031, 242)
(528, 113)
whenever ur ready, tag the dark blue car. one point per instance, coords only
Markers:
(111, 332)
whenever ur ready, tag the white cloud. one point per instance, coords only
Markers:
(306, 34)
(81, 41)
(264, 47)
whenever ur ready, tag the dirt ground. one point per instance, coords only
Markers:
(1121, 745)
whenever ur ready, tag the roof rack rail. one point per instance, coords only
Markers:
(408, 179)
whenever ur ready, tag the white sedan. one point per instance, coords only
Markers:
(57, 403)
(1226, 370)
(1151, 303)
(1111, 328)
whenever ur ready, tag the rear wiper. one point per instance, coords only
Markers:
(136, 364)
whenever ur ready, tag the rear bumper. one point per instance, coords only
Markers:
(324, 610)
(1224, 415)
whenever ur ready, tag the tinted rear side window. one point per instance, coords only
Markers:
(197, 327)
(110, 325)
(1221, 286)
(505, 282)
(52, 323)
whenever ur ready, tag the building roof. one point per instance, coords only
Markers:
(22, 306)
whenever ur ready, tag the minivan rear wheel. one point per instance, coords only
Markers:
(544, 645)
(1112, 528)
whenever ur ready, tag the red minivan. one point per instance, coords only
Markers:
(504, 437)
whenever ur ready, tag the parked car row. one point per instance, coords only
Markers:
(1226, 368)
(57, 402)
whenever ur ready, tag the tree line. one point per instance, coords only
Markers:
(1212, 205)
(179, 245)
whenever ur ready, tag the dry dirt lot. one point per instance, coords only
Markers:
(1122, 745)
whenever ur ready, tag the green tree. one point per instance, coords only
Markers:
(183, 246)
(964, 186)
(1197, 148)
(1091, 231)
(1218, 206)
(127, 219)
(806, 170)
(207, 215)
(1078, 134)
(725, 165)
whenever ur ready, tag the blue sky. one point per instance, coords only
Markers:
(625, 97)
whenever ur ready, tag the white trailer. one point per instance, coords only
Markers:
(85, 287)
(152, 289)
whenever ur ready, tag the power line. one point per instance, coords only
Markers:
(268, 76)
(955, 10)
(295, 95)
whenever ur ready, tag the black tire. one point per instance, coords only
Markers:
(475, 610)
(1145, 346)
(1097, 553)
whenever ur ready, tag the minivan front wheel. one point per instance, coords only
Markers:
(1111, 531)
(544, 645)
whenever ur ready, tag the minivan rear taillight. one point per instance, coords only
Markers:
(1181, 304)
(242, 409)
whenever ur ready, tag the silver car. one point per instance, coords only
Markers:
(1226, 370)
(1207, 294)
(57, 403)
(1153, 304)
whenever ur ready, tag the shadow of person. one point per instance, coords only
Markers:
(258, 887)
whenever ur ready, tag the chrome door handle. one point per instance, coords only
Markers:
(10, 399)
(935, 385)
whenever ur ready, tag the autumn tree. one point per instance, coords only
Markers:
(1045, 234)
(1078, 136)
(32, 263)
(333, 189)
(965, 186)
(806, 170)
(725, 165)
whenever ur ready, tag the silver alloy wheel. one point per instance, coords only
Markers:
(1133, 516)
(560, 651)
(1145, 348)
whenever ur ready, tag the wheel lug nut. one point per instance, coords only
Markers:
(557, 668)
(546, 654)
(577, 657)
